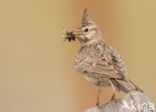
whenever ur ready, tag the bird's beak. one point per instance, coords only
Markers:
(77, 33)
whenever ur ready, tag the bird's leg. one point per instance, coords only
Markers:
(98, 95)
(114, 94)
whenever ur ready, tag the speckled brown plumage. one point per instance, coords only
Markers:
(99, 63)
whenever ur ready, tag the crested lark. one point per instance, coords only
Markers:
(99, 63)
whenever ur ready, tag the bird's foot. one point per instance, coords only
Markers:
(113, 97)
(97, 104)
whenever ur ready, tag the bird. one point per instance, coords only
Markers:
(98, 62)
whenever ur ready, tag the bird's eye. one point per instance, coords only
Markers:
(86, 30)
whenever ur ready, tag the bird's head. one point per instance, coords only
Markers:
(88, 30)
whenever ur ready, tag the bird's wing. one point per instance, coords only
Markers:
(109, 65)
(117, 62)
(103, 68)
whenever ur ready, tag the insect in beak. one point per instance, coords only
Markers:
(70, 36)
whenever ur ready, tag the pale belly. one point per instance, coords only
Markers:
(98, 81)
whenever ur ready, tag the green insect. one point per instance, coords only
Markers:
(68, 36)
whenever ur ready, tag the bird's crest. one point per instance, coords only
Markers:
(86, 20)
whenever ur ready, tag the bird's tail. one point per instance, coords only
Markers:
(125, 85)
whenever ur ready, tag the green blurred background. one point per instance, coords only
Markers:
(37, 69)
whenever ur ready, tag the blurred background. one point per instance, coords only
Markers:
(37, 69)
